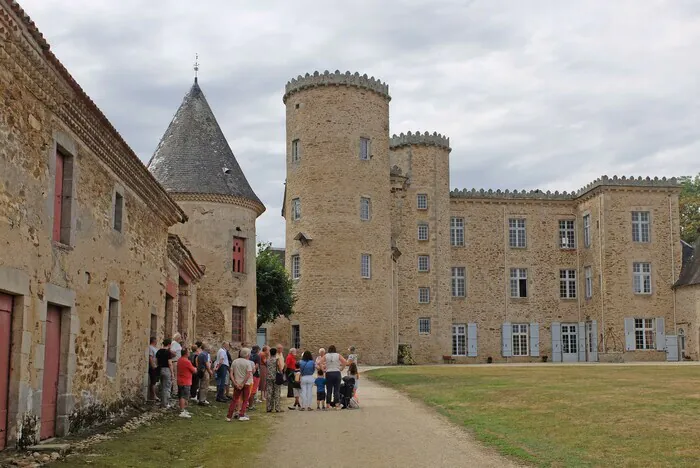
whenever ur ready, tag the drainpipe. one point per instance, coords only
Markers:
(602, 269)
(578, 271)
(505, 262)
(673, 264)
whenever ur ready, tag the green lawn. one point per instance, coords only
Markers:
(206, 440)
(568, 415)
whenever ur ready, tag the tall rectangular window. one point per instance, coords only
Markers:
(520, 339)
(296, 267)
(422, 201)
(365, 208)
(456, 231)
(118, 211)
(516, 233)
(567, 284)
(154, 325)
(112, 330)
(567, 234)
(423, 263)
(423, 232)
(589, 282)
(423, 295)
(238, 324)
(586, 230)
(238, 255)
(63, 197)
(642, 277)
(424, 326)
(296, 336)
(518, 282)
(459, 282)
(640, 226)
(365, 149)
(296, 150)
(296, 209)
(366, 266)
(644, 333)
(459, 340)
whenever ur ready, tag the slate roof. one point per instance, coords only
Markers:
(194, 157)
(690, 272)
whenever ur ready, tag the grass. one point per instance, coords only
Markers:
(206, 440)
(568, 415)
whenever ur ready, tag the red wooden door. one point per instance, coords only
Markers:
(58, 198)
(5, 327)
(49, 391)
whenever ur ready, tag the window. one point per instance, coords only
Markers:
(423, 263)
(63, 198)
(567, 284)
(459, 286)
(118, 211)
(422, 232)
(238, 255)
(364, 149)
(154, 325)
(296, 150)
(422, 201)
(457, 231)
(569, 339)
(642, 277)
(640, 226)
(296, 267)
(364, 208)
(520, 339)
(238, 324)
(296, 209)
(296, 336)
(424, 326)
(366, 266)
(567, 234)
(423, 295)
(587, 230)
(459, 340)
(589, 282)
(644, 333)
(112, 330)
(516, 233)
(518, 282)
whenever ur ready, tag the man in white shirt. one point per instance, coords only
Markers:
(176, 349)
(221, 369)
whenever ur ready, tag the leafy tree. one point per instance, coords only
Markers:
(274, 286)
(689, 207)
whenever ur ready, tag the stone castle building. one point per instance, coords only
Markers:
(385, 256)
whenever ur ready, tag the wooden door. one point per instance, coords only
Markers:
(49, 389)
(5, 327)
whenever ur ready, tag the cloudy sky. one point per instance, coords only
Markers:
(533, 94)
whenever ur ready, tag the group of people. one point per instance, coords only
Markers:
(256, 375)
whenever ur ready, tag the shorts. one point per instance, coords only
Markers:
(320, 396)
(183, 391)
(296, 392)
(153, 376)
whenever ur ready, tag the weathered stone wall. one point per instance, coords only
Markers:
(688, 307)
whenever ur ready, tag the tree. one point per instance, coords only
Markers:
(689, 207)
(274, 286)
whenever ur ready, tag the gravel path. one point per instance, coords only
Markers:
(388, 431)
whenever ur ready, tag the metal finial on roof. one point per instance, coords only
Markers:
(196, 66)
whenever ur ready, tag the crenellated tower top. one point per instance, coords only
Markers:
(336, 79)
(417, 138)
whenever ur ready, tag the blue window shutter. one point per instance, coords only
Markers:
(594, 341)
(507, 333)
(660, 334)
(534, 339)
(629, 334)
(471, 340)
(556, 342)
(582, 341)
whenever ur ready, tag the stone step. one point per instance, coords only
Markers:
(43, 448)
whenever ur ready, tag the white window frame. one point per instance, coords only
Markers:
(423, 231)
(517, 233)
(588, 273)
(587, 230)
(457, 231)
(366, 266)
(296, 209)
(641, 278)
(296, 266)
(296, 150)
(459, 281)
(567, 284)
(424, 327)
(365, 152)
(517, 275)
(365, 208)
(459, 339)
(424, 263)
(645, 333)
(424, 295)
(641, 226)
(567, 234)
(520, 335)
(422, 201)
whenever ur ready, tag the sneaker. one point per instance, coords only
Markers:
(244, 418)
(252, 408)
(228, 419)
(185, 415)
(292, 407)
(204, 403)
(302, 409)
(193, 399)
(235, 416)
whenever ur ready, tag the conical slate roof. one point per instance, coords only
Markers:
(194, 157)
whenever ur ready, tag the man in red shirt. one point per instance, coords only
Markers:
(185, 370)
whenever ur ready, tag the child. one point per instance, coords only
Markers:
(320, 383)
(296, 388)
(184, 381)
(355, 374)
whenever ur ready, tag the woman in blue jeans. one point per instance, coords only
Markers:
(333, 363)
(307, 367)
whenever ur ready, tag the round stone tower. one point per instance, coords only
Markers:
(338, 214)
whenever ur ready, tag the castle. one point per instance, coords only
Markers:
(385, 257)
